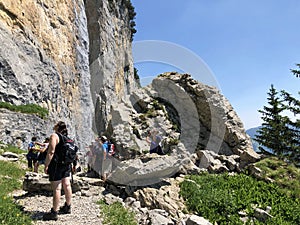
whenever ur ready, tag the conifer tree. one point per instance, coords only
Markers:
(296, 72)
(274, 134)
(293, 105)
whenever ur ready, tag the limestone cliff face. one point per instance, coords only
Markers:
(182, 110)
(71, 57)
(111, 64)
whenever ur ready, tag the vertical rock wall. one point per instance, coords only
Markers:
(111, 64)
(71, 57)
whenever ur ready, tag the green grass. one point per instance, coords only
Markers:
(11, 148)
(286, 175)
(10, 213)
(116, 214)
(28, 109)
(219, 198)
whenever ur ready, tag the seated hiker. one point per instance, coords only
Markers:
(154, 140)
(33, 150)
(42, 152)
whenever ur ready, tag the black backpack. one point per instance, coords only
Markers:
(66, 150)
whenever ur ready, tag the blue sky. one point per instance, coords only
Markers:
(248, 45)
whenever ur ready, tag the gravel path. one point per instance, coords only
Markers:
(84, 207)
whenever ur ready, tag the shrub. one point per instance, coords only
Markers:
(131, 16)
(136, 75)
(28, 108)
(116, 214)
(286, 175)
(219, 198)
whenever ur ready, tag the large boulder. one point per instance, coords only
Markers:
(9, 156)
(185, 111)
(221, 129)
(39, 182)
(166, 197)
(142, 171)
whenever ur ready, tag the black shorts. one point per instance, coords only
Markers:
(58, 171)
(32, 156)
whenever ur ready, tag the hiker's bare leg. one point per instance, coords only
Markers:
(35, 166)
(67, 189)
(104, 177)
(56, 187)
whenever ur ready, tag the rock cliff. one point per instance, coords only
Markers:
(74, 59)
(70, 57)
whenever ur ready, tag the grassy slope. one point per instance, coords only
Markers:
(220, 198)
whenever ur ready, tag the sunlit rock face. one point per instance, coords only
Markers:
(70, 57)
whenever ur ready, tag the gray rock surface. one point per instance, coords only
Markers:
(38, 64)
(72, 58)
(184, 111)
(197, 220)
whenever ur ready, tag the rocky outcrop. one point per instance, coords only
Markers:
(165, 196)
(145, 170)
(72, 58)
(183, 111)
(221, 130)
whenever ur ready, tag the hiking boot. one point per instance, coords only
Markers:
(66, 209)
(52, 215)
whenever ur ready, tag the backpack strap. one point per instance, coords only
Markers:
(57, 153)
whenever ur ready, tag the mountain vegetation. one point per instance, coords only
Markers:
(224, 198)
(278, 132)
(11, 174)
(28, 108)
(296, 72)
(116, 214)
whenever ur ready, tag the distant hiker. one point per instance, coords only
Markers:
(96, 158)
(42, 152)
(111, 148)
(154, 140)
(19, 142)
(107, 162)
(32, 154)
(76, 168)
(59, 173)
(90, 158)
